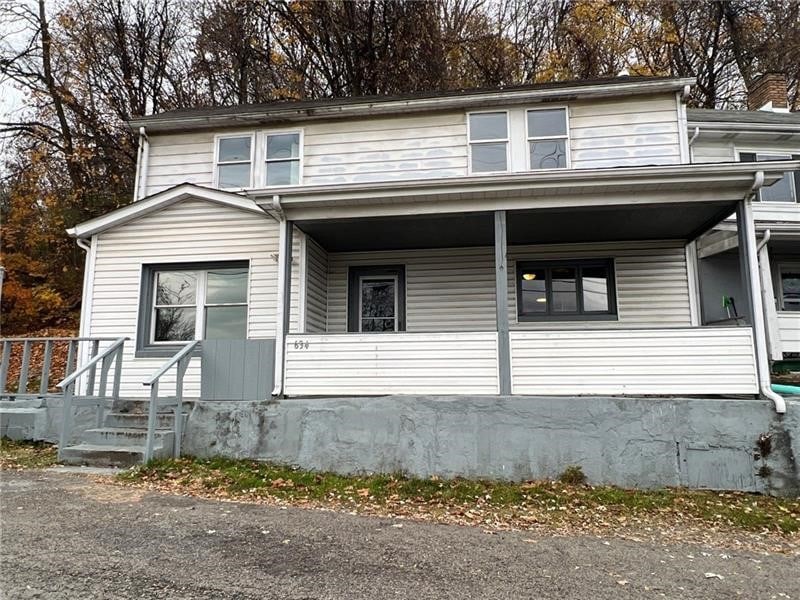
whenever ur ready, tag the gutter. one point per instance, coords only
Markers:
(762, 352)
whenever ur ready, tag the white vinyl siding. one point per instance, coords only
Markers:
(453, 289)
(707, 360)
(789, 326)
(632, 132)
(190, 231)
(180, 158)
(316, 287)
(711, 151)
(391, 363)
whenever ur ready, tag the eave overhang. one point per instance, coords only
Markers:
(552, 189)
(287, 113)
(771, 132)
(158, 202)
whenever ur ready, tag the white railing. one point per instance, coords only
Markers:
(391, 363)
(700, 360)
(789, 327)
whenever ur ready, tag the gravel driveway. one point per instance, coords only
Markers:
(67, 536)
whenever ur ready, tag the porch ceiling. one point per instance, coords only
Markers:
(544, 226)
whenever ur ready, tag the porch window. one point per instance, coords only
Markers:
(564, 290)
(234, 162)
(488, 142)
(376, 299)
(786, 189)
(547, 138)
(283, 158)
(790, 288)
(188, 302)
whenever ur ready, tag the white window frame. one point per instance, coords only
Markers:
(529, 138)
(396, 317)
(506, 141)
(788, 266)
(787, 154)
(224, 136)
(264, 161)
(199, 305)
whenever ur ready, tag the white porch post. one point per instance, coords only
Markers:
(748, 256)
(501, 301)
(284, 301)
(768, 299)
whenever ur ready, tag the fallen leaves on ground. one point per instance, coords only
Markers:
(15, 456)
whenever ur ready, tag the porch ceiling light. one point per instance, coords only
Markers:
(529, 276)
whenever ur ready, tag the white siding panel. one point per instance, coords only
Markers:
(638, 131)
(711, 151)
(789, 325)
(316, 287)
(180, 158)
(452, 289)
(191, 231)
(396, 363)
(658, 362)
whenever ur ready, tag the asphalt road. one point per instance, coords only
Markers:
(64, 536)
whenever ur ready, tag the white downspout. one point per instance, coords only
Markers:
(759, 330)
(692, 141)
(142, 159)
(282, 308)
(768, 299)
(84, 329)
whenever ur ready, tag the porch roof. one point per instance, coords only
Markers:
(626, 186)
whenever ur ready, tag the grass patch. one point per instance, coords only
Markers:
(472, 501)
(26, 455)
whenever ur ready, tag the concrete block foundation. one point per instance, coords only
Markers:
(733, 444)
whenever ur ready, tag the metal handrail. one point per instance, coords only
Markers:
(78, 372)
(105, 358)
(58, 339)
(180, 360)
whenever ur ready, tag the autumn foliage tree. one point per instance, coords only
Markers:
(86, 66)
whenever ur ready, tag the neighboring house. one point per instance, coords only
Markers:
(533, 242)
(769, 132)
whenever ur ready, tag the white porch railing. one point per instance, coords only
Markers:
(700, 360)
(391, 363)
(789, 327)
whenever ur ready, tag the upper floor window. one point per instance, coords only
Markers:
(547, 138)
(234, 161)
(488, 142)
(283, 158)
(787, 188)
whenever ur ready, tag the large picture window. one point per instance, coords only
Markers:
(565, 290)
(188, 302)
(376, 299)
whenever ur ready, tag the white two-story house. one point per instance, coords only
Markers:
(527, 242)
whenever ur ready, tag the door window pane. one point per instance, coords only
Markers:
(548, 154)
(595, 289)
(283, 172)
(565, 298)
(790, 289)
(547, 123)
(284, 145)
(226, 286)
(488, 126)
(175, 287)
(226, 322)
(234, 176)
(234, 149)
(533, 284)
(371, 325)
(487, 158)
(174, 324)
(377, 298)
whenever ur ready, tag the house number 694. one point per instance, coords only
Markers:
(301, 344)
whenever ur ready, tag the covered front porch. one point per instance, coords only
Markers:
(582, 299)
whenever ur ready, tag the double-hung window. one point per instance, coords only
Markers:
(786, 189)
(563, 290)
(548, 143)
(234, 167)
(283, 158)
(188, 302)
(488, 142)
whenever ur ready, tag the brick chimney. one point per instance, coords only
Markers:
(769, 92)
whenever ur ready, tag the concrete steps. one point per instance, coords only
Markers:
(122, 439)
(23, 419)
